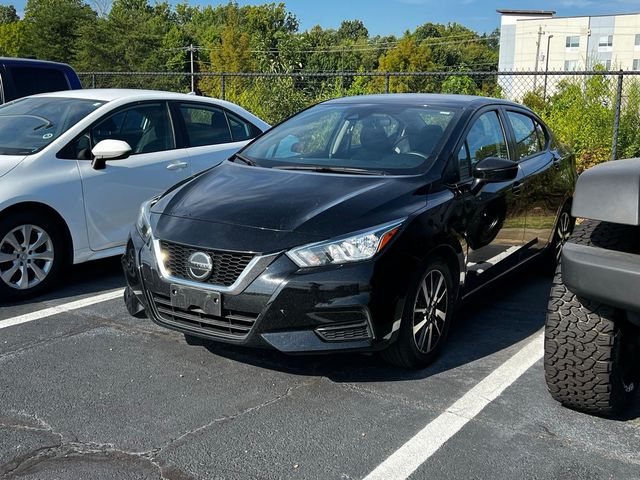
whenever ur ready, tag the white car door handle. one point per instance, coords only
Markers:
(177, 166)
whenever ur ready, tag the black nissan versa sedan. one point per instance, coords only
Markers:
(358, 224)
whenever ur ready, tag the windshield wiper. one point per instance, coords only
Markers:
(243, 159)
(321, 169)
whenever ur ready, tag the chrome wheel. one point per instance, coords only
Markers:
(26, 257)
(430, 311)
(563, 232)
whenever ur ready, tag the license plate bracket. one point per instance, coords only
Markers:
(187, 298)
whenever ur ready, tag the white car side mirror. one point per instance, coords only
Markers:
(109, 150)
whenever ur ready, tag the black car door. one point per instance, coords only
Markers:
(494, 215)
(545, 187)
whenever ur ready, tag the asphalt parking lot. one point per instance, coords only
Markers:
(94, 393)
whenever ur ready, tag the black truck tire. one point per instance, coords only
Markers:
(589, 346)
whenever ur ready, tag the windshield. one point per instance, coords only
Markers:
(30, 124)
(392, 139)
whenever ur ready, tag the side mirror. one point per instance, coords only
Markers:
(109, 150)
(494, 170)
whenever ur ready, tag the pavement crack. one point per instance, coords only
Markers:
(288, 392)
(39, 459)
(47, 341)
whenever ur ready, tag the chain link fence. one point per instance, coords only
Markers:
(597, 113)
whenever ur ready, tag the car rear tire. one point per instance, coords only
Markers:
(561, 234)
(427, 312)
(32, 254)
(589, 346)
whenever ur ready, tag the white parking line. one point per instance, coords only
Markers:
(66, 307)
(404, 461)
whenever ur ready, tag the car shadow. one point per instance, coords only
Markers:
(509, 311)
(88, 278)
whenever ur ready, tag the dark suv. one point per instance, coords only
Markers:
(358, 224)
(592, 332)
(21, 77)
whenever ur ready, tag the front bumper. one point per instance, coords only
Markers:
(606, 276)
(274, 305)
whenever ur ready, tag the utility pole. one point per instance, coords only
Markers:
(192, 49)
(546, 67)
(535, 77)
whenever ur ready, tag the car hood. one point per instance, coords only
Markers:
(9, 162)
(286, 207)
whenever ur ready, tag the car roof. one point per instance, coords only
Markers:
(451, 100)
(112, 94)
(33, 62)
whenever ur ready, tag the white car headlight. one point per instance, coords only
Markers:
(352, 248)
(143, 223)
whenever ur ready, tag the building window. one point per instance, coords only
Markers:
(636, 64)
(606, 41)
(573, 41)
(607, 64)
(570, 65)
(637, 40)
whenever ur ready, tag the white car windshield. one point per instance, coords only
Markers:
(30, 124)
(385, 138)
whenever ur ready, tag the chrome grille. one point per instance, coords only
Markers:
(227, 266)
(231, 324)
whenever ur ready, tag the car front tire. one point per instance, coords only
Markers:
(32, 254)
(427, 313)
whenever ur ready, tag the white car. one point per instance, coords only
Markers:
(75, 167)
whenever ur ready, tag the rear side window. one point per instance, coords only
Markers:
(241, 129)
(32, 80)
(205, 125)
(527, 135)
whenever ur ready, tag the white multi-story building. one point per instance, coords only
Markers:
(537, 40)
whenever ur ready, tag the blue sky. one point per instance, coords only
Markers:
(395, 16)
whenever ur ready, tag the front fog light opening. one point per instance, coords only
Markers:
(353, 330)
(346, 332)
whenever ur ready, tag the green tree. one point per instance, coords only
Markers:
(8, 14)
(461, 84)
(133, 37)
(11, 39)
(407, 56)
(52, 28)
(352, 30)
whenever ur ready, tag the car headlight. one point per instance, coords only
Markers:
(351, 248)
(143, 223)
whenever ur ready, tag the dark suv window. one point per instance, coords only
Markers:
(32, 80)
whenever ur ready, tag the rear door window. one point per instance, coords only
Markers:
(32, 80)
(205, 125)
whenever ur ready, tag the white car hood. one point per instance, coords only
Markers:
(9, 162)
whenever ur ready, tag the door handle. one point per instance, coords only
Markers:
(177, 166)
(516, 188)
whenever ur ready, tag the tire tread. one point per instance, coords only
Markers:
(583, 338)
